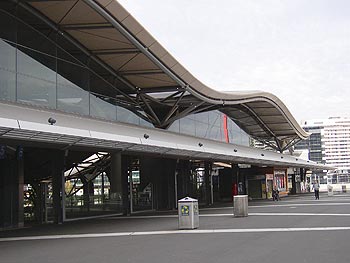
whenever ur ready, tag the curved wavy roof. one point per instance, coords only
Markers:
(151, 82)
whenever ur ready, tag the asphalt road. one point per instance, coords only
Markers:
(296, 229)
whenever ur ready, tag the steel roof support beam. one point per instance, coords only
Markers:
(71, 190)
(291, 143)
(150, 98)
(184, 113)
(259, 121)
(267, 142)
(121, 51)
(173, 109)
(173, 96)
(153, 114)
(279, 144)
(140, 72)
(168, 89)
(85, 26)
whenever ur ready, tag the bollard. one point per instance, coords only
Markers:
(343, 188)
(240, 205)
(330, 190)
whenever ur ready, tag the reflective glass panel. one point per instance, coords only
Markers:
(146, 123)
(71, 98)
(8, 56)
(124, 115)
(7, 85)
(201, 129)
(175, 127)
(34, 90)
(215, 133)
(36, 64)
(202, 117)
(7, 71)
(187, 126)
(214, 118)
(36, 79)
(102, 107)
(72, 86)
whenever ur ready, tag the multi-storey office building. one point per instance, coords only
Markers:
(313, 143)
(90, 102)
(329, 143)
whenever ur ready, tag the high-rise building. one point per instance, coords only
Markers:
(314, 143)
(329, 143)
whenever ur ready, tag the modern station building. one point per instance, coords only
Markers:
(96, 117)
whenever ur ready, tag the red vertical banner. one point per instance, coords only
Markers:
(227, 139)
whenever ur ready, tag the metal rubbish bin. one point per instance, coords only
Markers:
(240, 205)
(330, 190)
(188, 213)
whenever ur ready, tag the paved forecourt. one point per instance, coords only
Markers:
(294, 229)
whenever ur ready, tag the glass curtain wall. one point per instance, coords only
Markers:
(210, 125)
(37, 69)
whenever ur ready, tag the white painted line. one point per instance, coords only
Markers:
(280, 204)
(231, 214)
(312, 200)
(295, 214)
(288, 205)
(275, 214)
(195, 231)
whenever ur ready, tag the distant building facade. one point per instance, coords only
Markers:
(329, 143)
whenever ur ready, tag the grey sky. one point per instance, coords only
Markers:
(298, 50)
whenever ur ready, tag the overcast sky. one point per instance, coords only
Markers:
(298, 50)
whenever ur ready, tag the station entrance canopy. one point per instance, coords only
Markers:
(93, 135)
(149, 81)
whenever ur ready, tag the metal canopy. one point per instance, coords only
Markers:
(104, 136)
(149, 81)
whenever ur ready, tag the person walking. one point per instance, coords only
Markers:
(316, 187)
(276, 195)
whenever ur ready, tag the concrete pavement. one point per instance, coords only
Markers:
(296, 229)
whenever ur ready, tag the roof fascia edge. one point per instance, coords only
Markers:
(290, 119)
(270, 98)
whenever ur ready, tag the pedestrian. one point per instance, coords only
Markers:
(275, 195)
(316, 187)
(278, 195)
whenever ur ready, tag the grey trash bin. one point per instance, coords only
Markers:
(240, 205)
(188, 213)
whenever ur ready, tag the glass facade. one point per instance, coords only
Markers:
(38, 67)
(210, 125)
